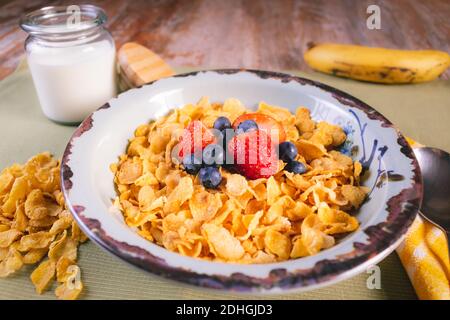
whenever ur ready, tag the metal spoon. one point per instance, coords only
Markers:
(435, 167)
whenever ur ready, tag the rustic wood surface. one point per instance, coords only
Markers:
(260, 34)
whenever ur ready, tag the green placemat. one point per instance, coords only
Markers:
(420, 111)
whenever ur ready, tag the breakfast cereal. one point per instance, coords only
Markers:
(286, 194)
(35, 223)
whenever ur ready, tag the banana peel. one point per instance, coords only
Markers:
(379, 65)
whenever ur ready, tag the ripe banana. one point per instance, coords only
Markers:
(377, 64)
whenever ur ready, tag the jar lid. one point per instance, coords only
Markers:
(63, 21)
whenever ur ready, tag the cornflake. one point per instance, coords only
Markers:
(35, 223)
(285, 216)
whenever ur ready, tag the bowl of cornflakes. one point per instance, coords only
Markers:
(242, 180)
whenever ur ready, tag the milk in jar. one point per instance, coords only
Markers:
(73, 67)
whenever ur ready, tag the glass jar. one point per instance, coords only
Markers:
(71, 57)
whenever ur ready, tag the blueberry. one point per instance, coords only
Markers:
(287, 151)
(295, 167)
(213, 155)
(210, 177)
(192, 163)
(245, 126)
(222, 123)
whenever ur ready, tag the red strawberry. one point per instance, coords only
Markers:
(194, 138)
(254, 154)
(266, 123)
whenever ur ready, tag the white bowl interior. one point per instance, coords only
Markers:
(102, 146)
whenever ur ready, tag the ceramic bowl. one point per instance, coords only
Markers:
(392, 175)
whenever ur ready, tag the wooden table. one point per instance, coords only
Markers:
(227, 33)
(261, 34)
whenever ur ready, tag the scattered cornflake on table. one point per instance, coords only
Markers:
(35, 223)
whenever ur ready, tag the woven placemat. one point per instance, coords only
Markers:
(420, 111)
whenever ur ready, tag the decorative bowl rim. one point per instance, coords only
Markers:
(383, 240)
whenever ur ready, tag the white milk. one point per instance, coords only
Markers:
(71, 82)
